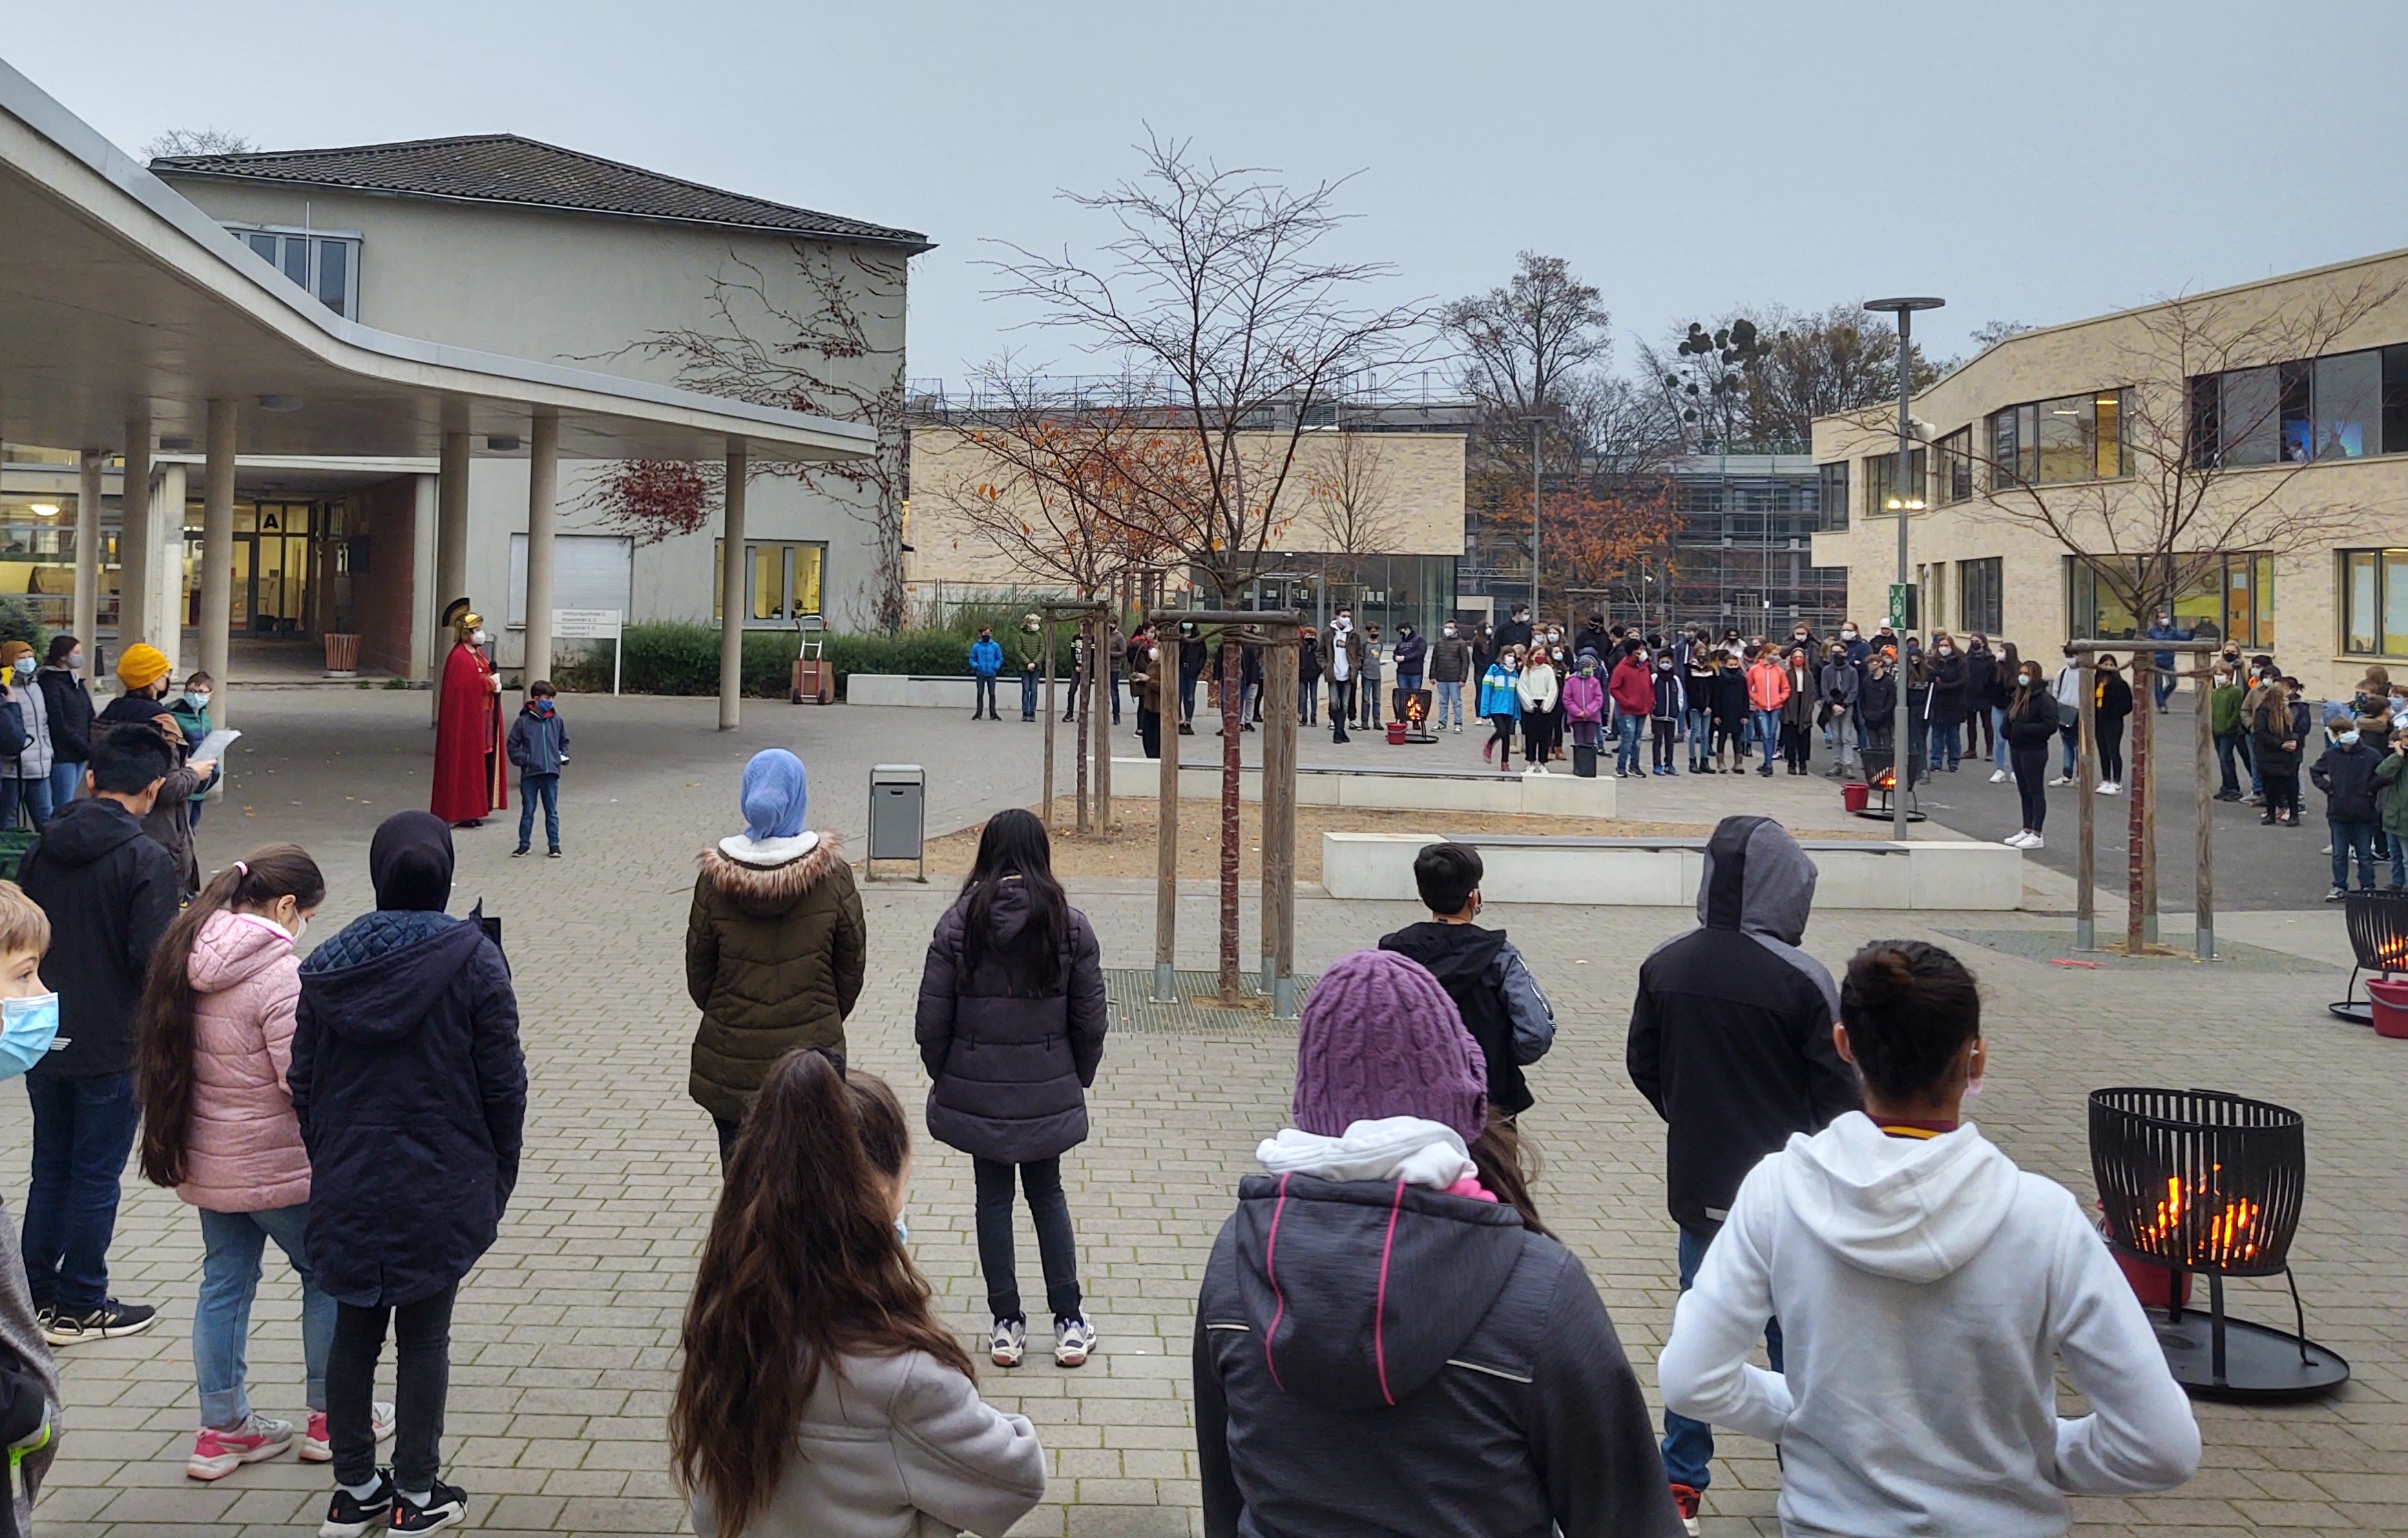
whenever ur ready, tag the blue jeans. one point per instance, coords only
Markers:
(2071, 736)
(1945, 742)
(2163, 685)
(33, 795)
(1689, 1445)
(66, 780)
(1767, 733)
(548, 788)
(1999, 731)
(2348, 838)
(1701, 723)
(1450, 698)
(232, 1243)
(83, 1129)
(981, 695)
(2230, 749)
(1027, 696)
(1626, 745)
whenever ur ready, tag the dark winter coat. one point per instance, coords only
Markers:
(169, 820)
(2345, 773)
(1468, 961)
(1730, 1034)
(773, 959)
(1450, 660)
(1982, 679)
(1877, 700)
(1731, 697)
(412, 1095)
(110, 892)
(1009, 1073)
(1948, 702)
(2034, 726)
(2388, 774)
(2269, 730)
(2114, 698)
(1842, 682)
(1407, 1361)
(1409, 653)
(537, 744)
(70, 710)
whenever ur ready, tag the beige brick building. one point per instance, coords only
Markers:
(2269, 423)
(1387, 543)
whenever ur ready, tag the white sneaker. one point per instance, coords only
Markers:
(1998, 776)
(2060, 780)
(2014, 840)
(2033, 841)
(1458, 729)
(2108, 787)
(1008, 1343)
(1074, 1340)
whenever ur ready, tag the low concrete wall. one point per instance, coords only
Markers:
(953, 693)
(1406, 790)
(1665, 873)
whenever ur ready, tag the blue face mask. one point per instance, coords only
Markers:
(198, 702)
(2348, 740)
(902, 1232)
(27, 1029)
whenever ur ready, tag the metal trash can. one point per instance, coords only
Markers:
(899, 817)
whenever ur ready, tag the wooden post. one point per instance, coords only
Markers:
(1046, 811)
(1271, 769)
(1102, 710)
(1280, 685)
(1086, 718)
(1165, 857)
(2086, 790)
(2202, 937)
(1232, 727)
(2144, 806)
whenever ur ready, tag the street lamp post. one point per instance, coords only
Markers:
(1538, 426)
(1909, 500)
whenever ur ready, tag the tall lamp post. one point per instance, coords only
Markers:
(1908, 500)
(1538, 426)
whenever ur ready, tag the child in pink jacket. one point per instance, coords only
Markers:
(216, 1037)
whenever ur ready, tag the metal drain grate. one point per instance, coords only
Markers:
(1198, 1011)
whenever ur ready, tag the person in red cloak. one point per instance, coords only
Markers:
(470, 767)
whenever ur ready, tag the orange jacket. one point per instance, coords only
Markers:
(1768, 685)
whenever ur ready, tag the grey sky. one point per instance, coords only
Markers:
(2047, 160)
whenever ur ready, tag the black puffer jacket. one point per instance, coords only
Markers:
(412, 1095)
(1009, 1072)
(1948, 690)
(2035, 725)
(2345, 774)
(773, 959)
(69, 704)
(1406, 1361)
(110, 892)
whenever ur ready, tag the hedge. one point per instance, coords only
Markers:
(681, 657)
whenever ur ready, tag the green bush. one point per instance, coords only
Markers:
(681, 657)
(17, 623)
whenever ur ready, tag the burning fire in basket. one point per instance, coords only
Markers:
(2191, 1232)
(1886, 779)
(1416, 709)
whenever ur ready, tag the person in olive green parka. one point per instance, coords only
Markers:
(2391, 797)
(775, 946)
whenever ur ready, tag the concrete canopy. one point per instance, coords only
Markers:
(120, 300)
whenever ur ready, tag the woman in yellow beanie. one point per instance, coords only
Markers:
(140, 667)
(144, 671)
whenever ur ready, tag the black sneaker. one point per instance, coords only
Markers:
(108, 1322)
(520, 853)
(554, 853)
(447, 1506)
(350, 1518)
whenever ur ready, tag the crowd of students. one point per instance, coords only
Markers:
(1389, 1335)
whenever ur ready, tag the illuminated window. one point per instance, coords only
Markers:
(783, 580)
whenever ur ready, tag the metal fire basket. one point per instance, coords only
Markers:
(2199, 1180)
(2378, 935)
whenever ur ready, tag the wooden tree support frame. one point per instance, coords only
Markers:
(1093, 738)
(2140, 854)
(1277, 632)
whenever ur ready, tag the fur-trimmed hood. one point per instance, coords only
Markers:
(772, 889)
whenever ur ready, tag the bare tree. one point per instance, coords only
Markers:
(197, 141)
(1351, 496)
(2198, 462)
(1216, 283)
(1523, 345)
(1759, 376)
(823, 353)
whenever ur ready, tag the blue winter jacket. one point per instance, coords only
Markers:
(412, 1095)
(987, 656)
(1497, 696)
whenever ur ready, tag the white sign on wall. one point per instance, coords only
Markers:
(589, 571)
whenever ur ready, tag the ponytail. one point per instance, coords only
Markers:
(163, 1051)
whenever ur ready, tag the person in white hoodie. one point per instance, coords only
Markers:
(1928, 1290)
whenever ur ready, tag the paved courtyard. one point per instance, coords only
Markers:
(565, 1340)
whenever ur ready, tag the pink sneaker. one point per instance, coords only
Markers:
(216, 1454)
(315, 1448)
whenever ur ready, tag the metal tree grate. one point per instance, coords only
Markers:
(1128, 998)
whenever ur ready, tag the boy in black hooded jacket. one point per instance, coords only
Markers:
(1481, 970)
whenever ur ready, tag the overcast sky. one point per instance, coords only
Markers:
(2041, 161)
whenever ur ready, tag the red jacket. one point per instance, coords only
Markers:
(1633, 691)
(1768, 685)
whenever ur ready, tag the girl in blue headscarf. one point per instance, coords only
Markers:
(774, 946)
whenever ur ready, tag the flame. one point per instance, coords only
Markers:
(1886, 779)
(1414, 710)
(2192, 1230)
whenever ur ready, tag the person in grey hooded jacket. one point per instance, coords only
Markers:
(1730, 1041)
(1388, 1340)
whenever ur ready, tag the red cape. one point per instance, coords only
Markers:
(469, 770)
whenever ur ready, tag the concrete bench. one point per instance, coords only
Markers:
(1388, 790)
(1664, 873)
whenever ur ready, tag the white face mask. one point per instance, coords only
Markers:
(478, 637)
(1850, 633)
(1947, 651)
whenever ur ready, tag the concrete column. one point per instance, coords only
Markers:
(450, 553)
(135, 540)
(163, 593)
(735, 595)
(544, 520)
(86, 613)
(217, 555)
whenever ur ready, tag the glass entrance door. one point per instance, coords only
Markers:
(271, 569)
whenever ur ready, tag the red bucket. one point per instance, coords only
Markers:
(1395, 734)
(1855, 796)
(2390, 1007)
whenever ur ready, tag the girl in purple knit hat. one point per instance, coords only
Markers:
(1388, 1338)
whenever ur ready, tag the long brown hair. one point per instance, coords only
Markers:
(1508, 1165)
(802, 1267)
(163, 1045)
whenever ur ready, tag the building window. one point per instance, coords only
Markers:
(1981, 595)
(783, 584)
(1957, 466)
(2052, 442)
(2342, 406)
(1881, 480)
(2374, 602)
(2230, 599)
(327, 266)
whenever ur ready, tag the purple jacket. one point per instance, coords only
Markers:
(1584, 698)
